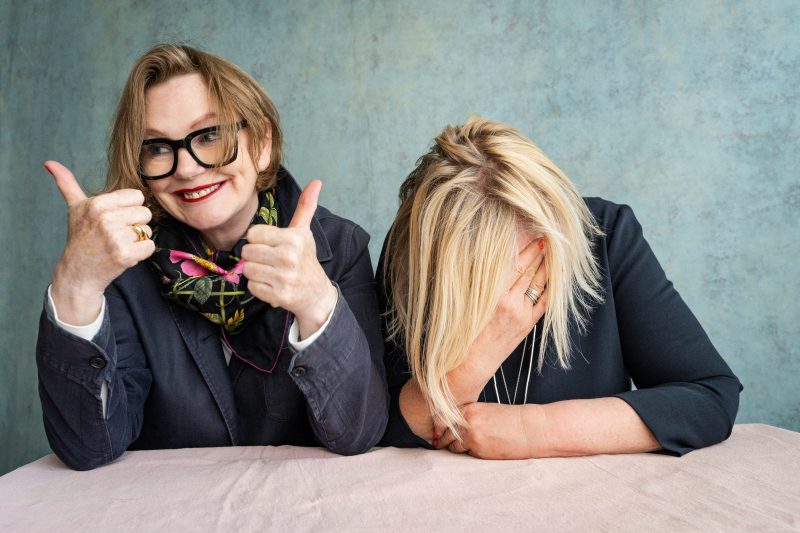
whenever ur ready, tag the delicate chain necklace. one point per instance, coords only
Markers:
(512, 400)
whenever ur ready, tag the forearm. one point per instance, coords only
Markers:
(73, 372)
(343, 383)
(463, 385)
(585, 427)
(415, 410)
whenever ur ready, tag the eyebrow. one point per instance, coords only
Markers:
(192, 126)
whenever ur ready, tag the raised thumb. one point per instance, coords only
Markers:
(306, 205)
(66, 183)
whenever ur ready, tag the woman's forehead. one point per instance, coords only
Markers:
(178, 104)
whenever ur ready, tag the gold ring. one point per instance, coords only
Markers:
(141, 234)
(533, 294)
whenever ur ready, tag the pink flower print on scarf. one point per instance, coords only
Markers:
(194, 266)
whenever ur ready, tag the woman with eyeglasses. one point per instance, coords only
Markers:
(203, 299)
(518, 314)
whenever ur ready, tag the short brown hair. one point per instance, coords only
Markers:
(234, 94)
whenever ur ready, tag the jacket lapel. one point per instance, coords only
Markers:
(202, 340)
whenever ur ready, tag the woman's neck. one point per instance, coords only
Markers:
(226, 236)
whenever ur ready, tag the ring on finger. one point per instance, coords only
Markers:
(533, 294)
(141, 233)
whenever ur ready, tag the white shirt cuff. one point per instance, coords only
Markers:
(86, 332)
(294, 331)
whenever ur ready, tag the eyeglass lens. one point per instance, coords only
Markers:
(208, 149)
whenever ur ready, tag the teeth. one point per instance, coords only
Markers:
(194, 195)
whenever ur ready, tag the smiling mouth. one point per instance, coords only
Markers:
(200, 193)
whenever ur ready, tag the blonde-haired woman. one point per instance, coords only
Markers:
(203, 299)
(518, 313)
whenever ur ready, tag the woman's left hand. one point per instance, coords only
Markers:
(282, 267)
(498, 431)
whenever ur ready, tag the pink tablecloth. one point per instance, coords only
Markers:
(749, 483)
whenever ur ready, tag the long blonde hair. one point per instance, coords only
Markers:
(234, 96)
(453, 241)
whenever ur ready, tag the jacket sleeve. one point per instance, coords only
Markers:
(71, 373)
(686, 394)
(341, 373)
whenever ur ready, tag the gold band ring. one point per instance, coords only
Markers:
(533, 294)
(141, 234)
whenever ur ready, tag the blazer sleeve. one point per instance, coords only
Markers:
(341, 373)
(71, 372)
(686, 394)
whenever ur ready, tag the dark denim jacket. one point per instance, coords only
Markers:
(169, 385)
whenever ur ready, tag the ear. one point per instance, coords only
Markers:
(266, 150)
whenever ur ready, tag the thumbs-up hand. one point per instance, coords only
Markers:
(101, 245)
(282, 267)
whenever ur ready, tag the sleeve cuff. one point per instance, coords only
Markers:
(294, 331)
(88, 331)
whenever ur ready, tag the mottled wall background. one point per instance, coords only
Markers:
(687, 111)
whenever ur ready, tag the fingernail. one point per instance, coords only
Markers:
(541, 245)
(435, 440)
(47, 169)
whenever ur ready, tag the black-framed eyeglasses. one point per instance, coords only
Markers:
(158, 158)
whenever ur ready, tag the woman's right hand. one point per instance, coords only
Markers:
(514, 318)
(101, 245)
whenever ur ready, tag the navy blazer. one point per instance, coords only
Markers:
(169, 385)
(642, 333)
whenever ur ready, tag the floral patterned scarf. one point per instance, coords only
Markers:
(211, 283)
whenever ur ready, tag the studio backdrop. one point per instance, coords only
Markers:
(687, 111)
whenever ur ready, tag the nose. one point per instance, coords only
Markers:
(187, 167)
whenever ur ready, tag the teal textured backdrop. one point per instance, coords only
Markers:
(687, 111)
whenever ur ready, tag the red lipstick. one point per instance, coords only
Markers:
(180, 193)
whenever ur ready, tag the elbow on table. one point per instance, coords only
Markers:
(360, 443)
(79, 459)
(716, 424)
(362, 437)
(727, 391)
(81, 464)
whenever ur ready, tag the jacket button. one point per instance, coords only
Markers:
(97, 362)
(299, 371)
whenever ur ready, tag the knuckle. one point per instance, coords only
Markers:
(120, 256)
(105, 216)
(291, 257)
(94, 207)
(255, 234)
(505, 306)
(297, 238)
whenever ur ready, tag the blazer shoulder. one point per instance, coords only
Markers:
(340, 231)
(610, 216)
